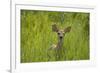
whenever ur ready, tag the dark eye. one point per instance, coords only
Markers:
(58, 33)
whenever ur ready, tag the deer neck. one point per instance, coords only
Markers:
(59, 44)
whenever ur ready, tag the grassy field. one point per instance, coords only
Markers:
(37, 36)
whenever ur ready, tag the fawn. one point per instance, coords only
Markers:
(61, 33)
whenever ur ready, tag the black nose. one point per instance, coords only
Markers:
(61, 37)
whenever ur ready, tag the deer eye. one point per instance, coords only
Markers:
(58, 33)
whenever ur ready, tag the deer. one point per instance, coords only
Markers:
(60, 33)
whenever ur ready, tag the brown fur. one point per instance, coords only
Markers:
(61, 33)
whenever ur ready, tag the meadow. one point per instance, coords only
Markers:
(37, 36)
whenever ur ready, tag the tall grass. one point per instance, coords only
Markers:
(37, 35)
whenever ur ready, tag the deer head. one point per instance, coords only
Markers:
(60, 32)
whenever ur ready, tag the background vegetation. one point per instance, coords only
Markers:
(37, 36)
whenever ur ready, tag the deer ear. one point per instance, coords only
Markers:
(67, 29)
(54, 28)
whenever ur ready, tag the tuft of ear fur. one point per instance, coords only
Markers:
(67, 29)
(54, 28)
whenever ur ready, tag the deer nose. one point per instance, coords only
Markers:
(61, 37)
